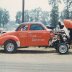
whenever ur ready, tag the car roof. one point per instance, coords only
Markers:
(32, 23)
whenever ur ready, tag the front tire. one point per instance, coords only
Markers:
(63, 48)
(10, 47)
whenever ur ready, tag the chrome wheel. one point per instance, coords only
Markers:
(63, 49)
(10, 47)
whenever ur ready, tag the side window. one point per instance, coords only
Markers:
(36, 27)
(24, 28)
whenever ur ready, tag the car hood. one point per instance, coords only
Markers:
(7, 33)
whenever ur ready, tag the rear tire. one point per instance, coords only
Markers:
(63, 48)
(10, 47)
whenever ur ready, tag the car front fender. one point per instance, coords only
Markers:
(3, 39)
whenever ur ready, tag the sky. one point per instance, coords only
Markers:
(16, 5)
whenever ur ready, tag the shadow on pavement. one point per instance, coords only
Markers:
(31, 51)
(34, 52)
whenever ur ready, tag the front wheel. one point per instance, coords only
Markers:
(10, 47)
(63, 48)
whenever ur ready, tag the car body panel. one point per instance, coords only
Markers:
(4, 38)
(28, 37)
(68, 23)
(38, 38)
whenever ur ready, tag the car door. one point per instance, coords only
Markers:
(23, 35)
(38, 35)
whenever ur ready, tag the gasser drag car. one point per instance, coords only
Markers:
(33, 34)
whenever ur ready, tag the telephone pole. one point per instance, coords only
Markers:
(23, 6)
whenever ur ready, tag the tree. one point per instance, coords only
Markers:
(54, 16)
(44, 17)
(26, 16)
(18, 17)
(66, 14)
(1, 11)
(54, 12)
(4, 17)
(67, 9)
(36, 15)
(71, 15)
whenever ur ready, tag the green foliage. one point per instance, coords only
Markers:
(68, 3)
(26, 16)
(67, 10)
(36, 15)
(71, 15)
(54, 2)
(18, 17)
(45, 17)
(54, 12)
(4, 17)
(1, 11)
(54, 16)
(66, 14)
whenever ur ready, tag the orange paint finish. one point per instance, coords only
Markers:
(28, 37)
(5, 37)
(68, 23)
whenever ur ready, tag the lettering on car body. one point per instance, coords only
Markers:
(35, 39)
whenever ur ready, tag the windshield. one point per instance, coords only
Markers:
(18, 27)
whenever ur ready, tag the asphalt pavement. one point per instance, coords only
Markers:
(33, 67)
(35, 60)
